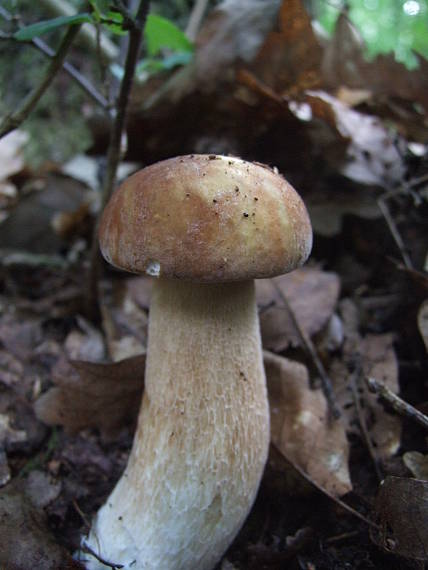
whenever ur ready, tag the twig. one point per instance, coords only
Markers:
(195, 19)
(88, 550)
(343, 505)
(363, 426)
(80, 79)
(13, 120)
(397, 404)
(114, 152)
(326, 383)
(393, 229)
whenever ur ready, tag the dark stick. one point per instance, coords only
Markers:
(114, 152)
(12, 121)
(397, 404)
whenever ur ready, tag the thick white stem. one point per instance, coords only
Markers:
(202, 437)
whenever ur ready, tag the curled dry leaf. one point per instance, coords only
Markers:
(312, 295)
(89, 394)
(26, 541)
(417, 463)
(300, 426)
(401, 510)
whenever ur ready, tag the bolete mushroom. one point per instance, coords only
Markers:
(205, 226)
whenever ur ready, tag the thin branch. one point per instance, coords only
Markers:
(326, 383)
(361, 420)
(80, 79)
(196, 18)
(114, 150)
(13, 120)
(382, 203)
(397, 404)
(88, 550)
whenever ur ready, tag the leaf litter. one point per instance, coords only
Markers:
(259, 84)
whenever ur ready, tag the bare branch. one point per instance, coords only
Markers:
(397, 404)
(13, 120)
(117, 128)
(80, 79)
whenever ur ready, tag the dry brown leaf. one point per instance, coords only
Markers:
(41, 489)
(26, 541)
(85, 343)
(11, 155)
(89, 394)
(124, 322)
(423, 322)
(372, 156)
(312, 295)
(300, 426)
(289, 60)
(4, 468)
(417, 463)
(233, 32)
(376, 357)
(380, 361)
(401, 510)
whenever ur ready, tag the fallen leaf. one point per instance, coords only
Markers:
(289, 61)
(124, 322)
(380, 361)
(4, 468)
(11, 155)
(312, 295)
(41, 489)
(86, 343)
(89, 394)
(300, 426)
(373, 355)
(234, 32)
(417, 463)
(372, 156)
(26, 540)
(401, 510)
(423, 322)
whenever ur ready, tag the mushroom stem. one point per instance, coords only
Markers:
(202, 437)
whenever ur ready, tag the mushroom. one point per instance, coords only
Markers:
(205, 226)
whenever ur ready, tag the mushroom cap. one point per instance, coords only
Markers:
(206, 218)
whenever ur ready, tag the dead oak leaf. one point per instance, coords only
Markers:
(300, 426)
(376, 356)
(89, 394)
(401, 509)
(312, 295)
(26, 539)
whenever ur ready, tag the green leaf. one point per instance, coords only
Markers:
(45, 26)
(113, 21)
(161, 33)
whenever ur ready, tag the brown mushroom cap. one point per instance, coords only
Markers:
(206, 218)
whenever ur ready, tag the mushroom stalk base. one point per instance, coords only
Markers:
(202, 437)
